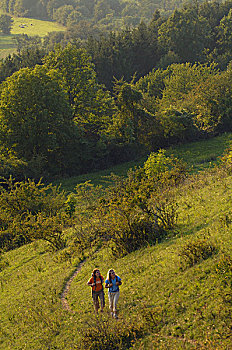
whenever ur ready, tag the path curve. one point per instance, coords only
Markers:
(66, 288)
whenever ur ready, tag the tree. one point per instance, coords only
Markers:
(5, 24)
(92, 105)
(185, 33)
(132, 123)
(36, 119)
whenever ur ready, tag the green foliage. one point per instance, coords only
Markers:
(35, 119)
(11, 165)
(141, 208)
(185, 33)
(31, 211)
(3, 262)
(160, 306)
(91, 104)
(26, 58)
(226, 160)
(5, 24)
(210, 103)
(177, 125)
(161, 166)
(195, 251)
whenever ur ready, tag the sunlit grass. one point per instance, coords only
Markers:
(31, 27)
(28, 26)
(179, 309)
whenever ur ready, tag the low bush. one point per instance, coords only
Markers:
(195, 251)
(30, 211)
(134, 211)
(224, 269)
(107, 334)
(154, 318)
(226, 160)
(3, 262)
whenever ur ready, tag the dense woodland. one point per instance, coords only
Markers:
(72, 104)
(107, 14)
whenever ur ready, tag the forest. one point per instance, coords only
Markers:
(107, 14)
(110, 99)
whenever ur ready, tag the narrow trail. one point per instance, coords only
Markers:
(66, 288)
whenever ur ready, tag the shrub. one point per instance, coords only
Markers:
(30, 211)
(3, 262)
(154, 318)
(162, 168)
(224, 269)
(106, 334)
(226, 160)
(134, 211)
(134, 236)
(195, 251)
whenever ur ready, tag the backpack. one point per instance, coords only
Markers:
(116, 279)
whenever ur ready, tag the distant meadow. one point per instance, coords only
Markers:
(29, 26)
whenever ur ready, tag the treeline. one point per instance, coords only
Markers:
(56, 119)
(107, 14)
(98, 102)
(196, 33)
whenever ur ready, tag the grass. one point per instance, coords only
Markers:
(7, 45)
(198, 156)
(29, 26)
(33, 27)
(178, 308)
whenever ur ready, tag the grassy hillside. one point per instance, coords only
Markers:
(175, 295)
(198, 155)
(30, 26)
(27, 26)
(7, 45)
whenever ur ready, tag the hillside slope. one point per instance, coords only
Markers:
(175, 295)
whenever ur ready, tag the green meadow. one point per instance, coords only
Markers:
(31, 27)
(28, 26)
(171, 296)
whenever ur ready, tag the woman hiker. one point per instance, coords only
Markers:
(113, 282)
(97, 289)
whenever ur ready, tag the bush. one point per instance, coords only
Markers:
(134, 211)
(3, 262)
(224, 269)
(136, 235)
(30, 211)
(226, 160)
(106, 334)
(195, 251)
(154, 318)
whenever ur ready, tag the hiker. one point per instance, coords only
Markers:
(113, 282)
(97, 289)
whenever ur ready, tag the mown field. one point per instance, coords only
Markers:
(170, 298)
(28, 26)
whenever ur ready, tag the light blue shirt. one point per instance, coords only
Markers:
(114, 288)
